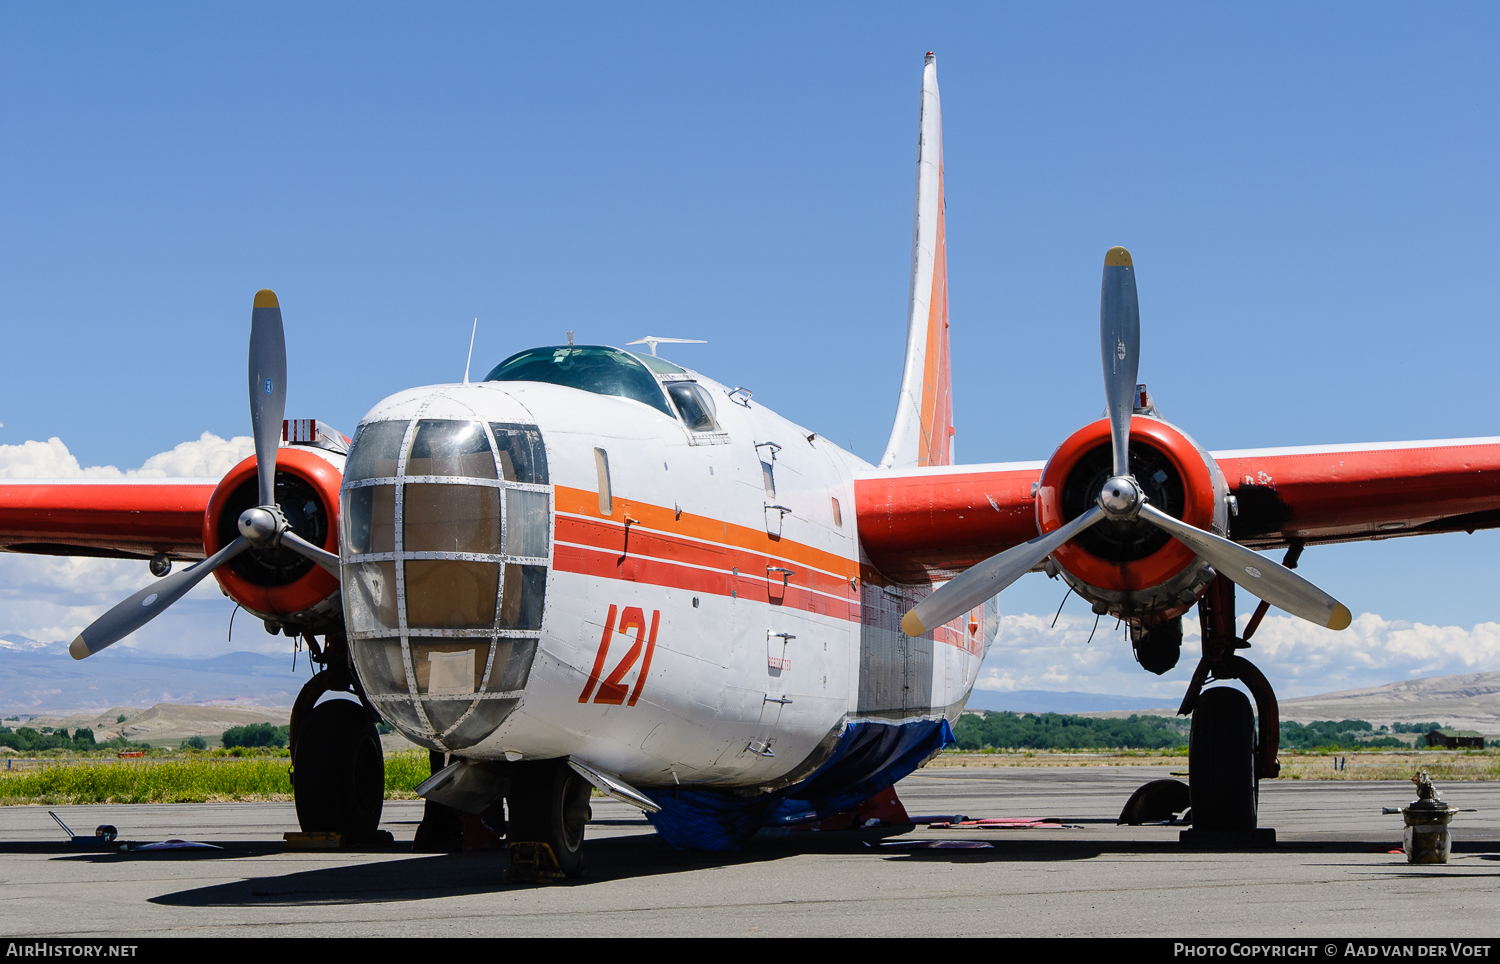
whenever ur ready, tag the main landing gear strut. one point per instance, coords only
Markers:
(1225, 760)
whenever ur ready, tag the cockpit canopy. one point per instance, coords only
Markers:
(610, 371)
(590, 368)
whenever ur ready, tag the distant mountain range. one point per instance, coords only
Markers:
(41, 678)
(1048, 701)
(1468, 701)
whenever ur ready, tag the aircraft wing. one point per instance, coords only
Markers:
(113, 518)
(920, 524)
(927, 524)
(1350, 493)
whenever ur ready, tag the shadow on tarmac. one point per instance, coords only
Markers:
(431, 876)
(71, 854)
(410, 877)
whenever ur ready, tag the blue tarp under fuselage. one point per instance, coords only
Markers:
(870, 756)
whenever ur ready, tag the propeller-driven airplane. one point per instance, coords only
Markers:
(595, 567)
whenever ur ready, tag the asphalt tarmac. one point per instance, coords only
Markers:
(1331, 874)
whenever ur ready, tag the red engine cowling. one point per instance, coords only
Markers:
(278, 585)
(1132, 568)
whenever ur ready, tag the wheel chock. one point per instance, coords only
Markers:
(533, 863)
(318, 840)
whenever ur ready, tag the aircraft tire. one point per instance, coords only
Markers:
(339, 772)
(1221, 762)
(549, 803)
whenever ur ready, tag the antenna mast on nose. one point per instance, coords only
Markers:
(470, 359)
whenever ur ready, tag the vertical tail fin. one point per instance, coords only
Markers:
(923, 433)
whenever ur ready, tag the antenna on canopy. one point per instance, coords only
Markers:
(470, 359)
(654, 340)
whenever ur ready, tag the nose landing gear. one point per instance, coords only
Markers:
(549, 804)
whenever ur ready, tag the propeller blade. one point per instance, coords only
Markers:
(267, 387)
(1256, 574)
(322, 557)
(149, 603)
(978, 583)
(1119, 347)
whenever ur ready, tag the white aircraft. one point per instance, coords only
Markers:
(596, 567)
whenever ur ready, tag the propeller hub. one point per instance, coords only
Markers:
(1121, 498)
(262, 525)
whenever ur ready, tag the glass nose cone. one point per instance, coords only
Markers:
(446, 538)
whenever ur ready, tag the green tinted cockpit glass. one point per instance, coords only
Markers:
(590, 368)
(661, 366)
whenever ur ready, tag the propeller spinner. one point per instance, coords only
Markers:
(261, 527)
(1121, 498)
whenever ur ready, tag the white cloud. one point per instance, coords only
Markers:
(1370, 652)
(1300, 659)
(48, 460)
(53, 598)
(208, 457)
(1031, 654)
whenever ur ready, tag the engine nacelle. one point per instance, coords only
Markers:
(281, 587)
(1132, 569)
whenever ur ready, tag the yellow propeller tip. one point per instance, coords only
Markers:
(266, 298)
(1340, 618)
(911, 625)
(1117, 256)
(78, 649)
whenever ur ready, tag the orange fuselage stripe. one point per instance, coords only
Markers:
(667, 523)
(699, 554)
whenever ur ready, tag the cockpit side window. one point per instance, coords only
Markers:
(589, 368)
(695, 405)
(522, 457)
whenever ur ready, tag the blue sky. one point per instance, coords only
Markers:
(1310, 194)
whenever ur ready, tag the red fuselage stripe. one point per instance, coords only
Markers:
(637, 541)
(594, 547)
(609, 564)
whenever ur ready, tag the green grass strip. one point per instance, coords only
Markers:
(405, 771)
(188, 781)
